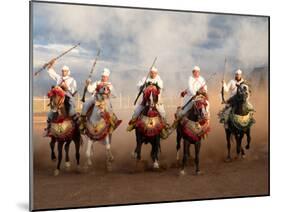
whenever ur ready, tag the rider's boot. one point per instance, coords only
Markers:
(75, 118)
(131, 124)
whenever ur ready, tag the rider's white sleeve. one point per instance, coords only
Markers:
(53, 74)
(92, 88)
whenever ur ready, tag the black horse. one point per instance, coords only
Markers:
(149, 125)
(192, 128)
(239, 110)
(63, 130)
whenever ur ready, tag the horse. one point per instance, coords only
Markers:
(192, 128)
(100, 124)
(240, 120)
(149, 125)
(63, 130)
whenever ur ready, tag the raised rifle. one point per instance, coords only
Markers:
(90, 76)
(222, 87)
(56, 58)
(142, 87)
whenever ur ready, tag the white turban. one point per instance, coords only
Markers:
(238, 72)
(154, 69)
(196, 68)
(106, 72)
(66, 68)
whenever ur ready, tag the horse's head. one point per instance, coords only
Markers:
(199, 107)
(57, 97)
(150, 95)
(243, 92)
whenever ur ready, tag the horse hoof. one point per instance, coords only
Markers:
(228, 160)
(67, 165)
(182, 173)
(78, 169)
(156, 165)
(134, 155)
(197, 173)
(243, 156)
(56, 172)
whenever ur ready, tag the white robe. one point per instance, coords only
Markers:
(231, 86)
(160, 107)
(69, 81)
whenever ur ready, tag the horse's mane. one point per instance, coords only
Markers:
(67, 104)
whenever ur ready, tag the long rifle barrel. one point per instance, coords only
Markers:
(62, 54)
(90, 75)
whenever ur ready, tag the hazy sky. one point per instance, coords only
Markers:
(130, 39)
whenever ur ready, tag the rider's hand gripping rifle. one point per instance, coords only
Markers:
(56, 58)
(143, 86)
(90, 76)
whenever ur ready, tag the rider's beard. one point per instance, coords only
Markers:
(238, 78)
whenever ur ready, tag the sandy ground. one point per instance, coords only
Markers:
(122, 185)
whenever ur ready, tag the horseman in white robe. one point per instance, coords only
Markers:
(155, 79)
(196, 85)
(231, 88)
(69, 85)
(101, 90)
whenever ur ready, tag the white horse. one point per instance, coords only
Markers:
(98, 129)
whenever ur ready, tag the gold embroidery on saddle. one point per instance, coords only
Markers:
(195, 128)
(242, 121)
(150, 126)
(62, 129)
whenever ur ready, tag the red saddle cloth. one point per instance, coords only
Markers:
(150, 124)
(195, 130)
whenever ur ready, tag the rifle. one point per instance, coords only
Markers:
(198, 90)
(62, 54)
(90, 75)
(142, 87)
(222, 87)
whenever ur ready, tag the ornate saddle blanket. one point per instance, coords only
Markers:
(195, 130)
(242, 122)
(62, 129)
(150, 126)
(98, 131)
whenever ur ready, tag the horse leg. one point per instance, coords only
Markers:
(228, 134)
(238, 144)
(52, 146)
(109, 156)
(60, 147)
(138, 148)
(77, 150)
(243, 155)
(178, 146)
(88, 152)
(248, 134)
(197, 152)
(154, 152)
(186, 146)
(66, 149)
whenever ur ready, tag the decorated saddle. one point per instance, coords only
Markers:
(62, 128)
(195, 130)
(242, 122)
(151, 124)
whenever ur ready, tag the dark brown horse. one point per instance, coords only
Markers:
(63, 130)
(192, 128)
(240, 120)
(149, 125)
